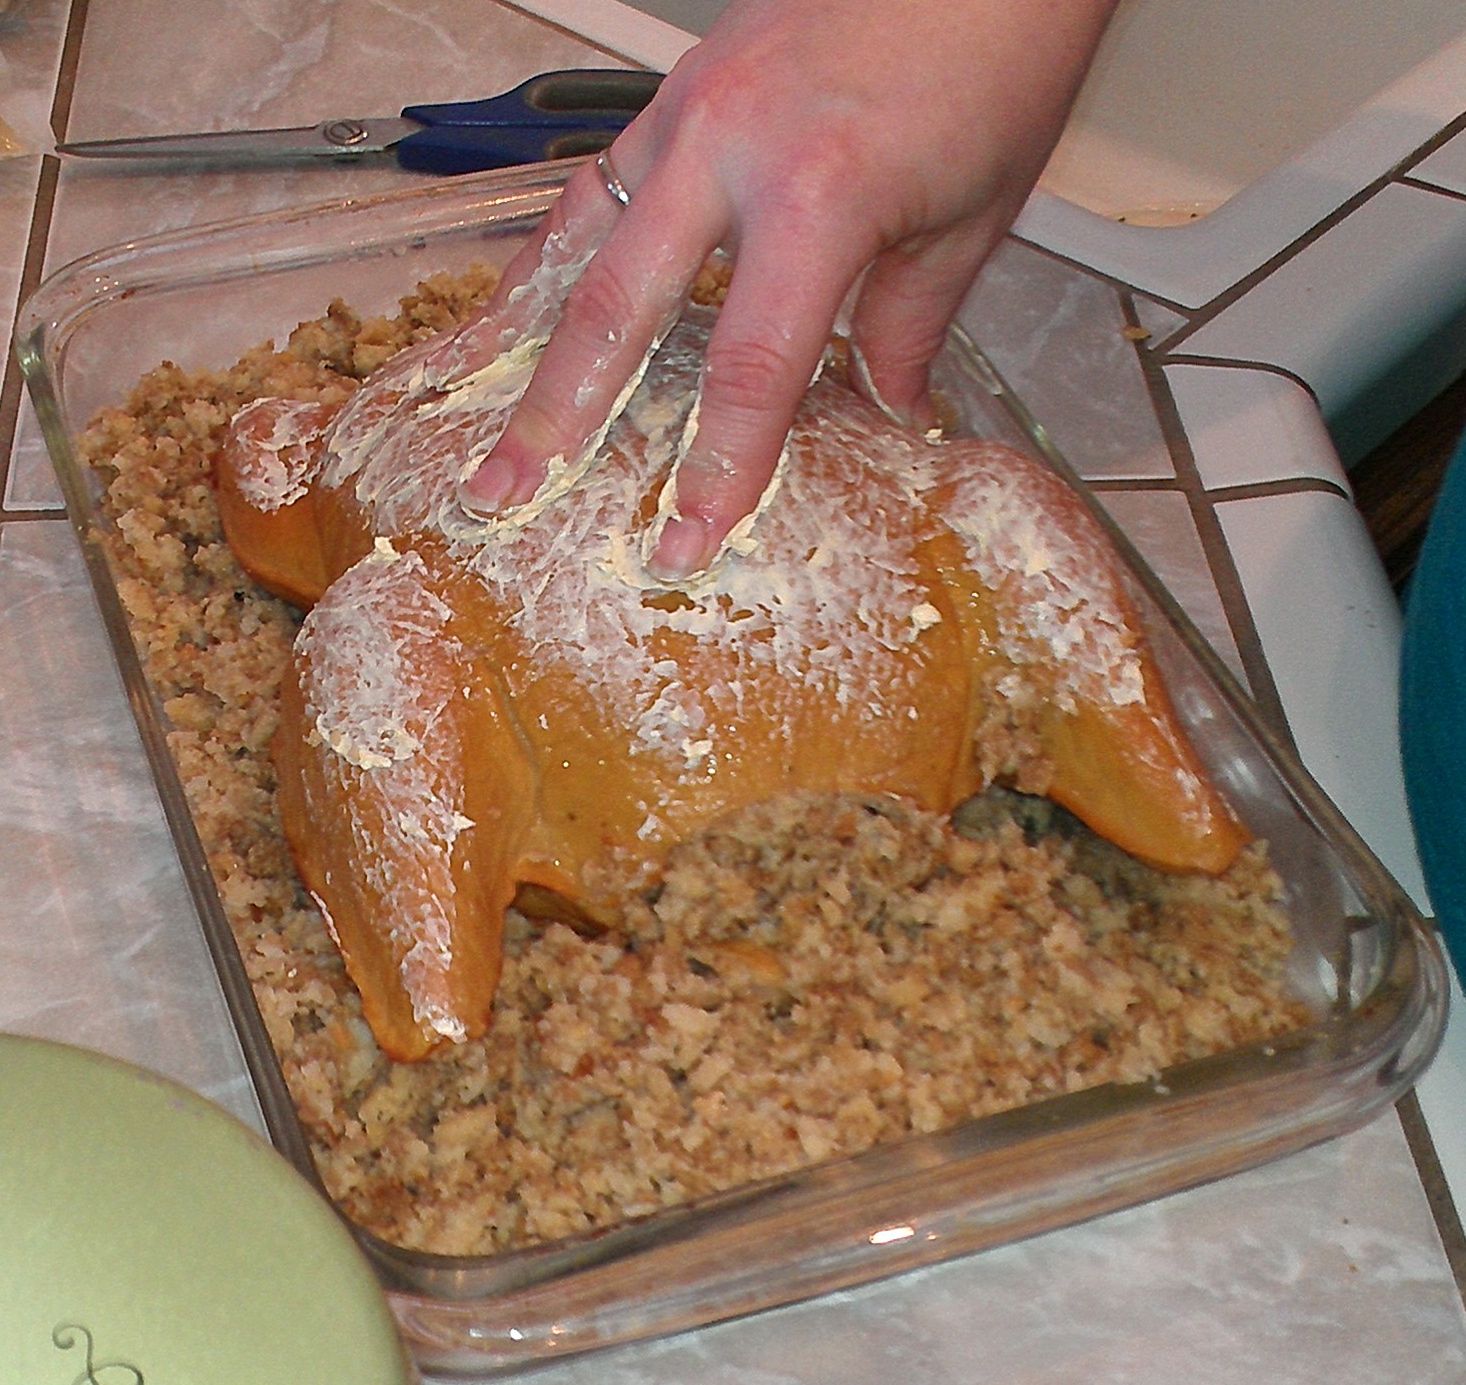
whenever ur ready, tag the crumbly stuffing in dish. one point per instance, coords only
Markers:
(809, 977)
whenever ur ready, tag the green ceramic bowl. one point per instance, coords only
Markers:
(147, 1236)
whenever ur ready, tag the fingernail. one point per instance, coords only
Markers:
(485, 493)
(684, 547)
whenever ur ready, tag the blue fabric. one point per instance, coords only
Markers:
(1433, 708)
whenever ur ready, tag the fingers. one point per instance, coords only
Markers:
(605, 282)
(606, 300)
(769, 339)
(906, 302)
(793, 154)
(533, 288)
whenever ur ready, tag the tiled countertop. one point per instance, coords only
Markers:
(1328, 1266)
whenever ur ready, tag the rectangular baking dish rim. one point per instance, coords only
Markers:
(1331, 1078)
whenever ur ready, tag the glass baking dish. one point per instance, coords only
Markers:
(1364, 960)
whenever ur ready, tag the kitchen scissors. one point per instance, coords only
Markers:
(556, 115)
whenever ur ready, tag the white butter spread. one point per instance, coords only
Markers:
(378, 696)
(818, 586)
(281, 465)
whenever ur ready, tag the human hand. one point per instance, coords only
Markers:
(879, 146)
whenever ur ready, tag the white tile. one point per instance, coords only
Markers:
(18, 177)
(1440, 1093)
(1158, 319)
(1352, 309)
(1058, 337)
(1330, 631)
(1193, 264)
(31, 37)
(1249, 427)
(31, 483)
(1160, 525)
(272, 62)
(655, 34)
(690, 16)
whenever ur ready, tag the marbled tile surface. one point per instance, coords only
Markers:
(1321, 1269)
(263, 63)
(31, 36)
(18, 176)
(97, 942)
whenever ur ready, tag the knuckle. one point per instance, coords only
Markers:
(705, 97)
(599, 311)
(909, 349)
(812, 181)
(745, 376)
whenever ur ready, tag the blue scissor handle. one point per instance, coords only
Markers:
(451, 149)
(556, 115)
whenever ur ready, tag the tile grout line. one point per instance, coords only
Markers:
(561, 28)
(66, 74)
(11, 384)
(1202, 505)
(1397, 175)
(1443, 1210)
(1236, 363)
(37, 242)
(1401, 173)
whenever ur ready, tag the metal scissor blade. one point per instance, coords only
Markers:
(329, 139)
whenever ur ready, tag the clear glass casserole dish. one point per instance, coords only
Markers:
(1364, 961)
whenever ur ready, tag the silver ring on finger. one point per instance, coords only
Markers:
(610, 179)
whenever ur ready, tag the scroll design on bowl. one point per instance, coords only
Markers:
(67, 1335)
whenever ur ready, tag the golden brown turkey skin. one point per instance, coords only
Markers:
(482, 710)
